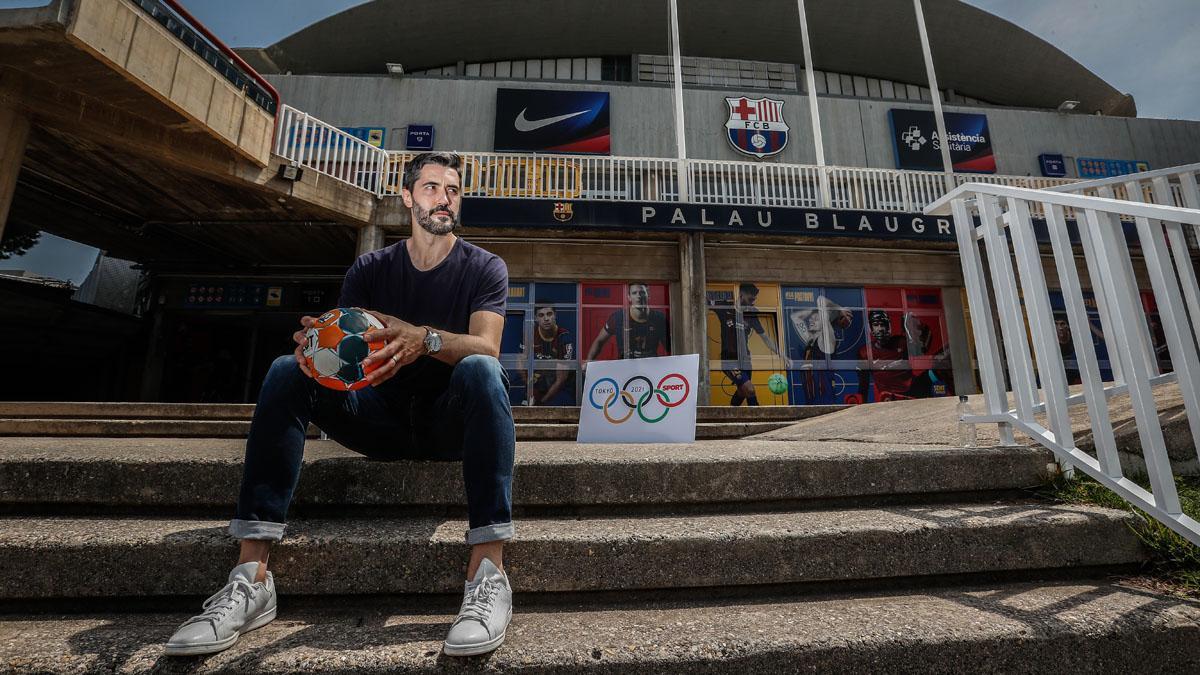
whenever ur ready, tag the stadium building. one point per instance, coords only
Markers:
(769, 235)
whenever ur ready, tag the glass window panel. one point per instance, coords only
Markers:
(551, 384)
(886, 89)
(548, 69)
(504, 68)
(487, 70)
(564, 69)
(512, 340)
(472, 70)
(517, 389)
(518, 69)
(533, 69)
(555, 293)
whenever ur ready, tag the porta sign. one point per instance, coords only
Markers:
(640, 401)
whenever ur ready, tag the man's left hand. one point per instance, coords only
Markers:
(405, 342)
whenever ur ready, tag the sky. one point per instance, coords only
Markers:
(1148, 48)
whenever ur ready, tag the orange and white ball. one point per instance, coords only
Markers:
(336, 348)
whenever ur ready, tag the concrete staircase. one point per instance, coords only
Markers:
(232, 420)
(744, 555)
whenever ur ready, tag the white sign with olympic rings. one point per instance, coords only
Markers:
(640, 401)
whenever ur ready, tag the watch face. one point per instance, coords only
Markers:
(433, 342)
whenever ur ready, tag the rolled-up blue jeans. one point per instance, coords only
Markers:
(466, 418)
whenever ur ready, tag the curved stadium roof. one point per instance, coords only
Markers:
(976, 54)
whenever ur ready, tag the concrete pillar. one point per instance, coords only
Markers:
(690, 321)
(14, 135)
(370, 238)
(960, 348)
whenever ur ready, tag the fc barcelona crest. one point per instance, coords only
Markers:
(756, 126)
(563, 211)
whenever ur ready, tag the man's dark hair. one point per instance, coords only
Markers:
(748, 289)
(538, 308)
(412, 170)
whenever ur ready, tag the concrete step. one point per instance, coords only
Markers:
(202, 428)
(62, 557)
(240, 411)
(149, 473)
(1060, 628)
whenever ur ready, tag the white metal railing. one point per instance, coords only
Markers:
(1000, 216)
(1175, 186)
(310, 143)
(313, 144)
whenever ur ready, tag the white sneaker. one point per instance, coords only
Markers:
(240, 607)
(485, 613)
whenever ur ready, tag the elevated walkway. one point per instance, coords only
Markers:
(143, 138)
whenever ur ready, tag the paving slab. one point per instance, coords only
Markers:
(935, 421)
(1055, 628)
(89, 557)
(156, 472)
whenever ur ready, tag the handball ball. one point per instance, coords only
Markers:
(777, 383)
(336, 348)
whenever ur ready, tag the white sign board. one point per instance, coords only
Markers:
(640, 401)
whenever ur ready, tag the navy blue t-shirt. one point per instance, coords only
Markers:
(469, 280)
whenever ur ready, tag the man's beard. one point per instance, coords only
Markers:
(426, 221)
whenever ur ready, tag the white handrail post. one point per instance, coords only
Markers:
(1004, 285)
(1180, 343)
(935, 95)
(1126, 317)
(1183, 259)
(986, 347)
(813, 108)
(1081, 337)
(1051, 371)
(683, 176)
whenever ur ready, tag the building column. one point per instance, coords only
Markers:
(14, 135)
(959, 341)
(370, 238)
(691, 320)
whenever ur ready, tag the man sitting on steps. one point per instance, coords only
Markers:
(440, 394)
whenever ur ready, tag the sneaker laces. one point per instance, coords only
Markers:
(477, 604)
(217, 606)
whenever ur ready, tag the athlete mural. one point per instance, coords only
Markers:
(834, 345)
(550, 324)
(634, 328)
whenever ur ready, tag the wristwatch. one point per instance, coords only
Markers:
(433, 341)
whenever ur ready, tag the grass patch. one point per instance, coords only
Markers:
(1173, 558)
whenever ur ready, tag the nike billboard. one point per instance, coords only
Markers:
(529, 120)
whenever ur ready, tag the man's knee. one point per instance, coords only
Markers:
(478, 370)
(285, 372)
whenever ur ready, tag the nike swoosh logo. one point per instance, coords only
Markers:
(523, 124)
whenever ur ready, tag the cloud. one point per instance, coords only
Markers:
(1146, 48)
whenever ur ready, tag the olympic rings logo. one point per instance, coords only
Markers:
(636, 395)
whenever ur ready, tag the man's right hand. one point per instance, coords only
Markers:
(301, 339)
